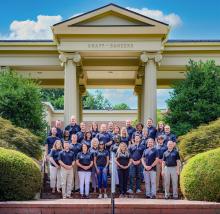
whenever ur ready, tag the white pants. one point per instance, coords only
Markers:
(75, 178)
(55, 177)
(84, 179)
(150, 182)
(66, 180)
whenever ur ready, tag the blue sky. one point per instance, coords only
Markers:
(190, 19)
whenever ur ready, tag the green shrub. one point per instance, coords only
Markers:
(20, 176)
(19, 139)
(200, 178)
(201, 139)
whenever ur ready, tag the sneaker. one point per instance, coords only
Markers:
(64, 197)
(130, 191)
(175, 198)
(138, 191)
(121, 196)
(100, 196)
(105, 196)
(69, 196)
(82, 196)
(147, 197)
(166, 197)
(87, 197)
(153, 197)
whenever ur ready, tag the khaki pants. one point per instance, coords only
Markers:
(75, 181)
(170, 172)
(159, 177)
(66, 181)
(55, 177)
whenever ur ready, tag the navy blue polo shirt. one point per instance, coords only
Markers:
(50, 141)
(85, 159)
(168, 137)
(130, 131)
(159, 133)
(87, 142)
(58, 134)
(101, 157)
(55, 155)
(75, 148)
(93, 151)
(152, 131)
(114, 148)
(161, 150)
(123, 158)
(136, 151)
(137, 133)
(170, 157)
(105, 137)
(67, 157)
(73, 129)
(80, 136)
(144, 142)
(150, 156)
(125, 140)
(94, 133)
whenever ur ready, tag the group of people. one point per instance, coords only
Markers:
(78, 156)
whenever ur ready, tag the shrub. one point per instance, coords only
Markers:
(20, 176)
(200, 178)
(19, 139)
(201, 139)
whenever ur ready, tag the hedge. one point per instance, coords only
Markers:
(20, 139)
(201, 139)
(20, 176)
(200, 177)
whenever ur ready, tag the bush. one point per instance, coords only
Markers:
(200, 178)
(201, 139)
(19, 139)
(20, 176)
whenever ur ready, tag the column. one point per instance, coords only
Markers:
(82, 90)
(71, 89)
(138, 93)
(150, 85)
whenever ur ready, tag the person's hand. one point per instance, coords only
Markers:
(162, 173)
(57, 166)
(97, 171)
(105, 170)
(177, 171)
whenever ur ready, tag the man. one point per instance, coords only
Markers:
(168, 135)
(59, 130)
(171, 169)
(73, 127)
(111, 128)
(149, 161)
(130, 129)
(75, 147)
(66, 161)
(152, 131)
(136, 152)
(81, 133)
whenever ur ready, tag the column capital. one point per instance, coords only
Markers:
(138, 89)
(146, 57)
(82, 89)
(64, 57)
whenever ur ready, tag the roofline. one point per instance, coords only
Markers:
(192, 40)
(26, 40)
(111, 4)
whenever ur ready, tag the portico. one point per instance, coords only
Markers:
(110, 47)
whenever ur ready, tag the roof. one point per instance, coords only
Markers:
(192, 40)
(26, 40)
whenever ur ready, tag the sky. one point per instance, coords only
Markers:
(189, 19)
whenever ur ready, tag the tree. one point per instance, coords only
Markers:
(196, 99)
(20, 102)
(121, 106)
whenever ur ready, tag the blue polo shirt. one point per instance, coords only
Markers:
(161, 150)
(50, 141)
(87, 142)
(75, 148)
(85, 159)
(159, 133)
(152, 131)
(114, 148)
(137, 133)
(123, 158)
(168, 137)
(125, 140)
(67, 157)
(80, 136)
(144, 142)
(150, 156)
(94, 133)
(170, 157)
(136, 151)
(101, 157)
(105, 137)
(73, 129)
(93, 151)
(59, 133)
(55, 155)
(130, 131)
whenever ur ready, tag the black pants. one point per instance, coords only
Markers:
(123, 180)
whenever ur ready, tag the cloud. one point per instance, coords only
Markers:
(172, 19)
(32, 29)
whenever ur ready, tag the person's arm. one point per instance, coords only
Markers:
(154, 163)
(95, 159)
(143, 163)
(53, 162)
(107, 163)
(116, 161)
(80, 165)
(163, 166)
(64, 165)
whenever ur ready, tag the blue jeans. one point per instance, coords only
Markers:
(135, 173)
(102, 177)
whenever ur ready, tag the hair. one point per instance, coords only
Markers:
(150, 139)
(100, 143)
(140, 124)
(119, 151)
(86, 147)
(97, 129)
(93, 140)
(55, 145)
(158, 125)
(126, 132)
(85, 136)
(116, 126)
(65, 131)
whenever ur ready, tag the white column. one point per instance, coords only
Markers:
(150, 85)
(71, 86)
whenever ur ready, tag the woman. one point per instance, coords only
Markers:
(66, 135)
(116, 130)
(55, 176)
(101, 162)
(93, 149)
(124, 136)
(144, 138)
(123, 163)
(94, 129)
(160, 128)
(87, 139)
(84, 162)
